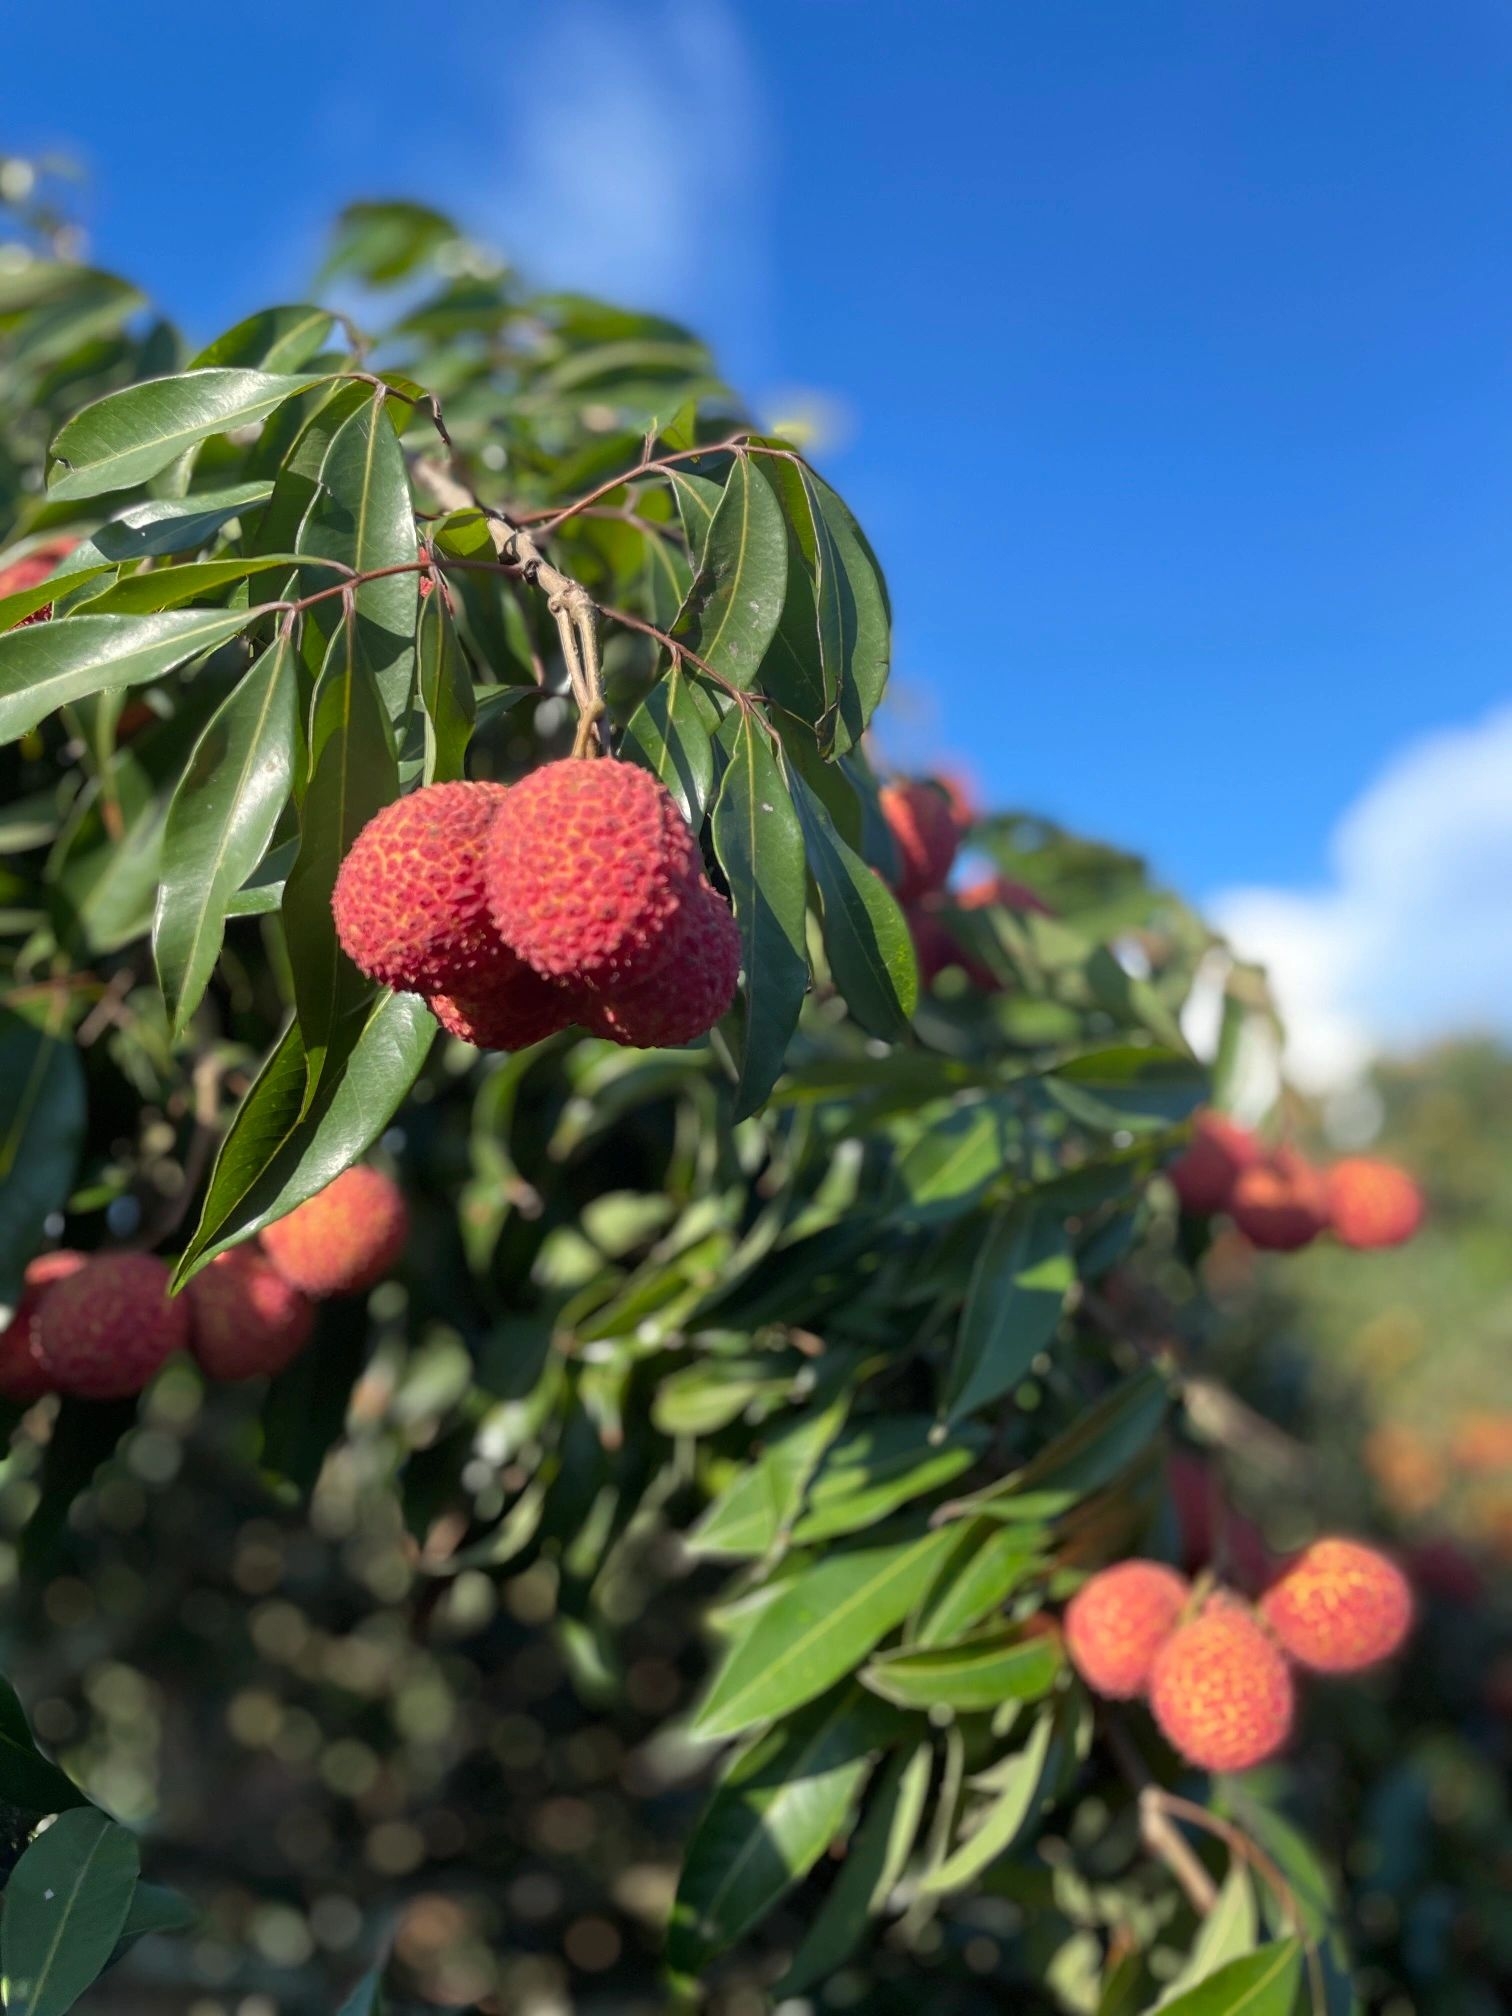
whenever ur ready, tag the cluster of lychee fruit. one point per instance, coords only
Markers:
(927, 822)
(576, 896)
(99, 1326)
(1280, 1201)
(1216, 1670)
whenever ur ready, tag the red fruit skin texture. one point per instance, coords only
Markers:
(1117, 1622)
(686, 996)
(1280, 1204)
(588, 865)
(925, 834)
(1221, 1692)
(29, 570)
(247, 1318)
(1205, 1174)
(1339, 1607)
(24, 1376)
(343, 1240)
(1372, 1203)
(507, 1005)
(409, 900)
(104, 1331)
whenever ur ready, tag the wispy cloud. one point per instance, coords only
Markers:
(1410, 938)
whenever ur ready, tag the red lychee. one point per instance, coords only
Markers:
(344, 1239)
(925, 835)
(1204, 1175)
(23, 1374)
(1279, 1204)
(104, 1330)
(934, 947)
(588, 864)
(687, 995)
(506, 1005)
(1339, 1607)
(31, 568)
(1117, 1622)
(247, 1317)
(1220, 1690)
(409, 901)
(1001, 892)
(1372, 1203)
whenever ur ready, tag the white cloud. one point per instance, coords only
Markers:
(1410, 940)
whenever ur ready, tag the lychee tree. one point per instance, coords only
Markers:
(829, 1312)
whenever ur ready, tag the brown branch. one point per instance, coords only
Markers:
(1156, 1828)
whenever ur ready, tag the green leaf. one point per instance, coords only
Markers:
(1131, 1087)
(1228, 1931)
(155, 1908)
(279, 1151)
(41, 1132)
(806, 668)
(669, 735)
(168, 587)
(1020, 1787)
(1100, 1444)
(873, 1863)
(367, 1998)
(989, 1564)
(757, 1510)
(866, 615)
(978, 1673)
(760, 846)
(130, 435)
(353, 775)
(878, 1466)
(275, 339)
(47, 665)
(822, 1624)
(65, 1906)
(735, 602)
(170, 524)
(951, 1163)
(27, 1778)
(1263, 1983)
(446, 691)
(220, 822)
(1023, 1273)
(867, 938)
(778, 1807)
(697, 501)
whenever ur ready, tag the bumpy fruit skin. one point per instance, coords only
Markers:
(247, 1317)
(1204, 1176)
(23, 1372)
(104, 1331)
(1339, 1607)
(687, 995)
(29, 570)
(409, 900)
(507, 1005)
(1221, 1691)
(1372, 1203)
(1280, 1204)
(925, 834)
(1117, 1622)
(588, 864)
(343, 1240)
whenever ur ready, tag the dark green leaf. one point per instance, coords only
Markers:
(806, 668)
(27, 1779)
(866, 615)
(128, 436)
(154, 1909)
(1132, 1087)
(275, 339)
(41, 1130)
(65, 1905)
(1019, 1285)
(669, 735)
(47, 665)
(867, 938)
(735, 602)
(878, 1466)
(446, 692)
(1089, 1455)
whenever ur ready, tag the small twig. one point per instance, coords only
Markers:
(1156, 1828)
(107, 1010)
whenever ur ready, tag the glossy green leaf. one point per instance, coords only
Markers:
(130, 435)
(982, 1672)
(820, 1627)
(1229, 1931)
(951, 1163)
(446, 691)
(278, 1151)
(1020, 1787)
(165, 525)
(27, 1778)
(1023, 1274)
(170, 587)
(735, 602)
(697, 500)
(1262, 1983)
(1104, 1441)
(866, 935)
(988, 1565)
(274, 339)
(867, 617)
(880, 1465)
(754, 1512)
(47, 665)
(65, 1905)
(760, 846)
(778, 1807)
(41, 1132)
(220, 822)
(805, 668)
(670, 734)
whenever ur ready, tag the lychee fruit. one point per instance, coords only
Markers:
(1220, 1690)
(104, 1330)
(23, 1373)
(687, 995)
(1001, 892)
(409, 900)
(344, 1239)
(925, 836)
(1219, 1152)
(1339, 1607)
(506, 1005)
(588, 865)
(247, 1317)
(1372, 1203)
(1279, 1204)
(31, 568)
(1117, 1622)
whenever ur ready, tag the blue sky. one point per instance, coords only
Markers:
(1166, 348)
